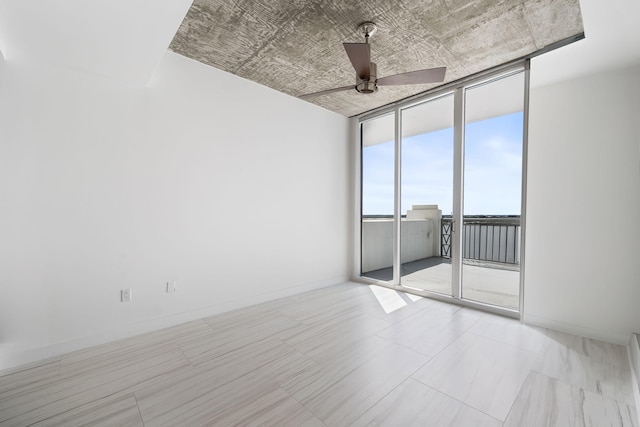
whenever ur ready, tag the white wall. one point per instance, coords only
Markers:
(583, 213)
(238, 193)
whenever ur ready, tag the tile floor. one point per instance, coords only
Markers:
(346, 355)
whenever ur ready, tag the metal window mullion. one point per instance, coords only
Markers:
(523, 196)
(458, 180)
(397, 208)
(358, 211)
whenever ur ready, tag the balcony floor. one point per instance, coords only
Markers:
(490, 283)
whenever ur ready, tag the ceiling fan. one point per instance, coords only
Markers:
(367, 80)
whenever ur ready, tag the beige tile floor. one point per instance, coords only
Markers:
(345, 355)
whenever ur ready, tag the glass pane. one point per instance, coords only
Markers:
(427, 195)
(378, 162)
(492, 192)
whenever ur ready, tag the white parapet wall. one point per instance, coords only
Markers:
(420, 236)
(377, 244)
(434, 214)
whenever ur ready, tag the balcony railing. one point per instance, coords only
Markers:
(485, 238)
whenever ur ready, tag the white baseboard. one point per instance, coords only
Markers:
(606, 336)
(634, 357)
(12, 357)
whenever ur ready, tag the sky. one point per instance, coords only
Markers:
(492, 170)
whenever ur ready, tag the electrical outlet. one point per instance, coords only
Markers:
(171, 287)
(125, 295)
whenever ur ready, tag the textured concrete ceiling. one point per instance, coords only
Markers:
(295, 46)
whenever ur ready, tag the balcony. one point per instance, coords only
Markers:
(490, 247)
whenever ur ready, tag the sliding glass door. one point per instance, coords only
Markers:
(427, 194)
(492, 199)
(378, 166)
(442, 190)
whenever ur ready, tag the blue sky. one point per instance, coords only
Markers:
(493, 159)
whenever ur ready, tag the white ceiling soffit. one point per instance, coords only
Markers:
(296, 46)
(497, 98)
(119, 39)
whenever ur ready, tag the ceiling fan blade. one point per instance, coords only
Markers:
(360, 57)
(325, 92)
(432, 75)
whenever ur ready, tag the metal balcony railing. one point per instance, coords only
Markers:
(485, 238)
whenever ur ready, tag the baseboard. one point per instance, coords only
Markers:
(12, 357)
(634, 357)
(606, 336)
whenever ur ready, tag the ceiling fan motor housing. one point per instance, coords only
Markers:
(369, 85)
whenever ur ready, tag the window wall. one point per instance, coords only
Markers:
(442, 192)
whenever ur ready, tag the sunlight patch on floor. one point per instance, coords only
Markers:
(413, 297)
(388, 299)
